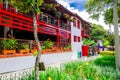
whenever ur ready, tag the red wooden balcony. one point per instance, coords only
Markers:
(85, 33)
(46, 24)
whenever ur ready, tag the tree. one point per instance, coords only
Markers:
(102, 7)
(27, 6)
(97, 32)
(110, 38)
(89, 42)
(97, 7)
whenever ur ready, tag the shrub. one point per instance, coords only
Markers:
(107, 53)
(9, 44)
(47, 44)
(24, 46)
(105, 61)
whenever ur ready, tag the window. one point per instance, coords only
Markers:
(78, 39)
(74, 23)
(75, 38)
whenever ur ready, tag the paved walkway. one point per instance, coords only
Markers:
(19, 63)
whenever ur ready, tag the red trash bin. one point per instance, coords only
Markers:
(85, 50)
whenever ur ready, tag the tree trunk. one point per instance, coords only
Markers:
(116, 30)
(38, 46)
(6, 4)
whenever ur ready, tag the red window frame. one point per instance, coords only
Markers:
(75, 38)
(74, 23)
(78, 22)
(78, 39)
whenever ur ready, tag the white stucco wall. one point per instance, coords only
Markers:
(76, 46)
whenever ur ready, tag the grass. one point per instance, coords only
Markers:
(102, 68)
(105, 61)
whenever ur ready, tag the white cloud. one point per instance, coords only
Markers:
(83, 14)
(72, 1)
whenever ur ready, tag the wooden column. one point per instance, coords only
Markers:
(58, 34)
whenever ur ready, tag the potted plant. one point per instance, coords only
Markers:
(47, 46)
(58, 14)
(24, 48)
(9, 46)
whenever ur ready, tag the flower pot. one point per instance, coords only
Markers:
(33, 50)
(5, 52)
(23, 51)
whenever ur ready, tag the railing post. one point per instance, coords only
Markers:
(0, 5)
(58, 34)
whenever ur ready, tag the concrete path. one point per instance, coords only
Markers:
(19, 63)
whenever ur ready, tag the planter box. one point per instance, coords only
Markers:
(33, 50)
(23, 51)
(5, 52)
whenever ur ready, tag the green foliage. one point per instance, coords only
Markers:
(9, 44)
(69, 46)
(35, 53)
(91, 71)
(53, 74)
(107, 52)
(24, 46)
(58, 14)
(47, 44)
(89, 42)
(110, 38)
(97, 32)
(27, 5)
(97, 7)
(106, 43)
(106, 61)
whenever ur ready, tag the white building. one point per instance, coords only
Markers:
(76, 39)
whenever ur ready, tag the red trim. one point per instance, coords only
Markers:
(58, 34)
(22, 22)
(75, 38)
(83, 33)
(78, 22)
(74, 23)
(78, 39)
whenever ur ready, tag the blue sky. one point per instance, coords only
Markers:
(79, 4)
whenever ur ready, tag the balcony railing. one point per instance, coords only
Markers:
(46, 18)
(85, 34)
(65, 26)
(54, 21)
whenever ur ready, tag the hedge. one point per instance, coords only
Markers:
(107, 52)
